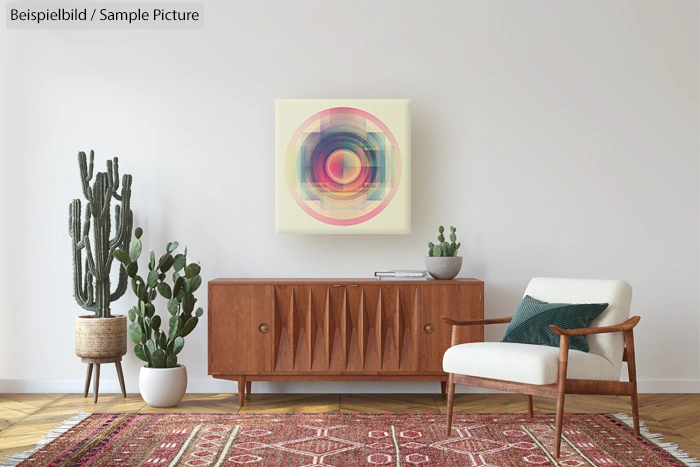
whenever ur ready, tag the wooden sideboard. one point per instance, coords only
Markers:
(336, 329)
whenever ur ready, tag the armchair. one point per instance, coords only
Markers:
(549, 371)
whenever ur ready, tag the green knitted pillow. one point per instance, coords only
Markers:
(530, 324)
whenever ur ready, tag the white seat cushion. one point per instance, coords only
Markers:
(524, 363)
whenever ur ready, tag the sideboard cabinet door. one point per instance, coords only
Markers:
(470, 305)
(241, 328)
(461, 302)
(435, 301)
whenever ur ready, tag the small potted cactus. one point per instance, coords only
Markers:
(162, 381)
(442, 261)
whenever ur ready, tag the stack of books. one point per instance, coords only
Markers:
(402, 274)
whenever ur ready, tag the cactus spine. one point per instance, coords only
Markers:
(443, 248)
(91, 286)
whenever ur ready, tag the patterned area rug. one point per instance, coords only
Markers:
(347, 440)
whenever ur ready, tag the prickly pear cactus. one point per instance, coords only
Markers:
(91, 285)
(444, 248)
(152, 344)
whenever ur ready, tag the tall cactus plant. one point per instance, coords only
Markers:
(91, 285)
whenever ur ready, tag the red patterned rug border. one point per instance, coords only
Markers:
(672, 449)
(47, 439)
(668, 451)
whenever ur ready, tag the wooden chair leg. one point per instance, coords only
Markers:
(561, 392)
(241, 390)
(120, 375)
(632, 372)
(88, 377)
(96, 386)
(248, 388)
(450, 402)
(635, 413)
(559, 422)
(530, 411)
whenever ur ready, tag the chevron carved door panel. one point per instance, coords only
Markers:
(346, 328)
(392, 314)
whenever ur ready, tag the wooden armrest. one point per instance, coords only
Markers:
(476, 322)
(626, 326)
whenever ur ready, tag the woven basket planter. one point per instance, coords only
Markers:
(100, 337)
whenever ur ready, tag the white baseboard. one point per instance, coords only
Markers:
(215, 386)
(669, 386)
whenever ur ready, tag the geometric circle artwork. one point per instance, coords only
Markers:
(342, 166)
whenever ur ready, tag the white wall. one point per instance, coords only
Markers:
(561, 138)
(5, 192)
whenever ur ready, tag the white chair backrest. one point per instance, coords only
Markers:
(618, 295)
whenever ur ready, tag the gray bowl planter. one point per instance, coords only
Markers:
(444, 267)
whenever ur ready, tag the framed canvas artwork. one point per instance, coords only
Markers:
(343, 166)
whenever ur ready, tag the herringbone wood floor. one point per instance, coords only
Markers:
(25, 418)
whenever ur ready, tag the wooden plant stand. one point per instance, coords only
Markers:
(96, 362)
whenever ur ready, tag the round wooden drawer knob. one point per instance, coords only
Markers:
(428, 328)
(263, 328)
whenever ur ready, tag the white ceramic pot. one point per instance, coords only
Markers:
(163, 387)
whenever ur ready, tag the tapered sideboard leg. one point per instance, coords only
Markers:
(241, 390)
(248, 388)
